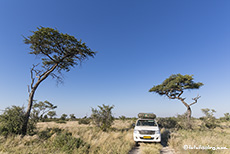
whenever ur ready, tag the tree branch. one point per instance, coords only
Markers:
(195, 100)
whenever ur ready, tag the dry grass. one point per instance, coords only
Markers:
(150, 148)
(117, 141)
(213, 138)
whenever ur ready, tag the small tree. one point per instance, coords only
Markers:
(51, 114)
(72, 116)
(58, 52)
(103, 117)
(42, 108)
(209, 120)
(174, 86)
(63, 116)
(227, 116)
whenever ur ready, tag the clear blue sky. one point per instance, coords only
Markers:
(139, 44)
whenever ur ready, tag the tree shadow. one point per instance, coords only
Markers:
(165, 135)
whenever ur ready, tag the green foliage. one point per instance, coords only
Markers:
(123, 118)
(72, 117)
(84, 120)
(168, 122)
(63, 116)
(209, 121)
(51, 114)
(12, 119)
(227, 116)
(175, 84)
(103, 117)
(40, 109)
(48, 132)
(183, 123)
(60, 121)
(57, 48)
(67, 143)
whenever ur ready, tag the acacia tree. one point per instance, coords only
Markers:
(174, 86)
(58, 52)
(42, 108)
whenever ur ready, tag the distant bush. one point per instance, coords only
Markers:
(63, 116)
(12, 119)
(103, 117)
(123, 118)
(208, 121)
(84, 120)
(72, 117)
(60, 121)
(168, 122)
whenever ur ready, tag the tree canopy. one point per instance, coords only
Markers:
(57, 48)
(58, 52)
(174, 86)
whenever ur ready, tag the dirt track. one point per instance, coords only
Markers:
(164, 150)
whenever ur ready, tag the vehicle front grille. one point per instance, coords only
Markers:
(147, 132)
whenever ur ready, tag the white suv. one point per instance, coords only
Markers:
(146, 130)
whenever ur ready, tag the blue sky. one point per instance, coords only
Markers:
(139, 44)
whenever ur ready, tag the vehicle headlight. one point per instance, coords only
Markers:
(158, 132)
(135, 131)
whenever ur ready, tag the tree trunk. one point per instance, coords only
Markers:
(27, 114)
(31, 96)
(189, 113)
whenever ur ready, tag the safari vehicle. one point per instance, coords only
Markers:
(146, 129)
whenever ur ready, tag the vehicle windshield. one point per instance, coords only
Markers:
(146, 123)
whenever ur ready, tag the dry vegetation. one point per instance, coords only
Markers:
(213, 138)
(117, 141)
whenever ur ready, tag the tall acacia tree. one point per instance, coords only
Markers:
(58, 52)
(174, 86)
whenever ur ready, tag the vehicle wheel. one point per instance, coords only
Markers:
(137, 144)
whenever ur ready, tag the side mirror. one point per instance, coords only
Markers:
(133, 125)
(159, 125)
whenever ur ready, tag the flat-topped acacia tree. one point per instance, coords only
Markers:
(174, 86)
(58, 52)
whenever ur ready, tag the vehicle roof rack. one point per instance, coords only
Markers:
(147, 115)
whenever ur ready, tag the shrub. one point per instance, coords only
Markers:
(123, 118)
(48, 132)
(61, 121)
(168, 122)
(103, 118)
(209, 121)
(72, 117)
(67, 143)
(12, 119)
(183, 122)
(84, 120)
(63, 116)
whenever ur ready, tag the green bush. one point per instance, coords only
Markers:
(67, 143)
(209, 121)
(168, 122)
(60, 121)
(48, 132)
(103, 118)
(12, 119)
(84, 120)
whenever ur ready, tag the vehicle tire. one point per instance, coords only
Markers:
(136, 143)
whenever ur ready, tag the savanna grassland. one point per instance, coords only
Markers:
(72, 137)
(92, 139)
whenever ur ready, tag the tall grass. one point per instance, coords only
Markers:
(210, 137)
(116, 141)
